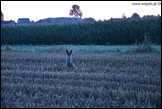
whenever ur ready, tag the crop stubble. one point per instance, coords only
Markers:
(31, 79)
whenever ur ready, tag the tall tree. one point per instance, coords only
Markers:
(75, 11)
(2, 16)
(123, 16)
(135, 15)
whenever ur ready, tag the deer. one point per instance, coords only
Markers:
(69, 62)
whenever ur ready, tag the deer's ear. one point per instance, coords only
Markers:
(70, 51)
(67, 52)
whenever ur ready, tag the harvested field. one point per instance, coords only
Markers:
(108, 80)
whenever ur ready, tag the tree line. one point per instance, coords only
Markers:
(112, 32)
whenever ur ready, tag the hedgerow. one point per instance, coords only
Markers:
(113, 32)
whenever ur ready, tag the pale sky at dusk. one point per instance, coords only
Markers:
(99, 10)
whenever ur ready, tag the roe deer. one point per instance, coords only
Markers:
(69, 59)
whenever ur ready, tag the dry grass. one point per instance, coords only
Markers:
(99, 80)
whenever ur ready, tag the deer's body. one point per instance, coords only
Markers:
(69, 59)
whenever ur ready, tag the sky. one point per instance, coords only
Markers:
(99, 10)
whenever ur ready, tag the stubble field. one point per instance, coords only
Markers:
(116, 80)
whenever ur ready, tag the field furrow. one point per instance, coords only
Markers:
(99, 80)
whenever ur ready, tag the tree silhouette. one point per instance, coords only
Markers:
(135, 15)
(2, 16)
(75, 11)
(123, 16)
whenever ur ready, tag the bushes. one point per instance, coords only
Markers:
(145, 46)
(122, 32)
